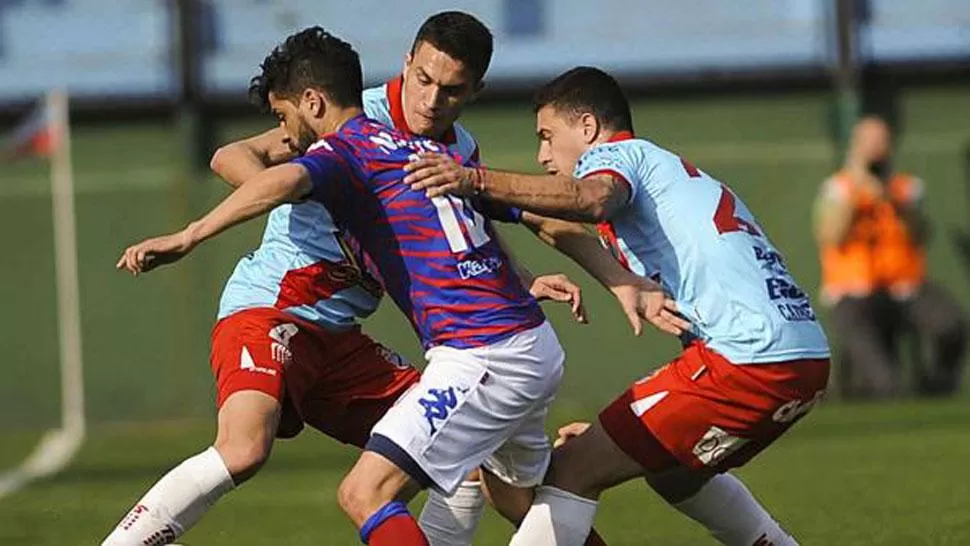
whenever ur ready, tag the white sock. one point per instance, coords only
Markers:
(733, 516)
(557, 518)
(175, 503)
(452, 521)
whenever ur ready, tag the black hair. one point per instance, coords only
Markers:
(585, 89)
(460, 36)
(311, 58)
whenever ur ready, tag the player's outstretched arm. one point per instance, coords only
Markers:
(242, 160)
(638, 297)
(592, 199)
(272, 187)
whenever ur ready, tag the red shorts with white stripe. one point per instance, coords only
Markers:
(340, 383)
(706, 413)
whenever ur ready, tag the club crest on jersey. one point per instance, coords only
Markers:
(438, 404)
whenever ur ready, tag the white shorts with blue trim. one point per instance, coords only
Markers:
(485, 406)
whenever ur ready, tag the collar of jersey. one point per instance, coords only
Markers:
(396, 103)
(621, 136)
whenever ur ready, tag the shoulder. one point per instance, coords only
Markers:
(465, 144)
(375, 103)
(618, 158)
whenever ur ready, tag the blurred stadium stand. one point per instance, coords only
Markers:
(125, 48)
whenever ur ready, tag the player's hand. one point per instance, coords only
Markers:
(152, 253)
(439, 174)
(558, 287)
(648, 301)
(569, 432)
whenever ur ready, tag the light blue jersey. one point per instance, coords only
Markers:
(303, 265)
(692, 234)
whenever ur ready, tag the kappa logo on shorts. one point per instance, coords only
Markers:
(715, 445)
(438, 404)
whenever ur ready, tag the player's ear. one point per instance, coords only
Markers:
(314, 101)
(590, 126)
(408, 57)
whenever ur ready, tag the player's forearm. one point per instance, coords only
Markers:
(271, 188)
(242, 160)
(556, 196)
(582, 247)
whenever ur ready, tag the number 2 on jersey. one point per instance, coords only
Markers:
(725, 216)
(450, 209)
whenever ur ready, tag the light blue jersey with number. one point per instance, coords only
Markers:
(690, 232)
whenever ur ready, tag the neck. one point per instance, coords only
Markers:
(335, 118)
(612, 135)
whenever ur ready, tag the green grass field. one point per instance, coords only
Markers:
(848, 475)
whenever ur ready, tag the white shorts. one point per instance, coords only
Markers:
(482, 406)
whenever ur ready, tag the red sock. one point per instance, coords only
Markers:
(399, 530)
(594, 539)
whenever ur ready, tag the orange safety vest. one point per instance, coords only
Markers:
(878, 252)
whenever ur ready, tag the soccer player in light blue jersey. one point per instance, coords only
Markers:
(755, 359)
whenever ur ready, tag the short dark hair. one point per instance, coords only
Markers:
(585, 89)
(311, 58)
(460, 36)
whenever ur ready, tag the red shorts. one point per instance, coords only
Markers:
(339, 383)
(706, 413)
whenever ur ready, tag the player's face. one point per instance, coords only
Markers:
(562, 140)
(436, 88)
(294, 120)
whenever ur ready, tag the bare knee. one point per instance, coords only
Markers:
(355, 498)
(243, 456)
(371, 483)
(511, 502)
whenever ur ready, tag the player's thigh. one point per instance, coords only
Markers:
(519, 381)
(247, 424)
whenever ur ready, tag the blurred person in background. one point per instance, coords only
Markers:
(872, 231)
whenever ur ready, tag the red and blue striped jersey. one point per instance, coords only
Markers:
(438, 257)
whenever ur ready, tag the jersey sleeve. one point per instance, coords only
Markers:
(330, 175)
(609, 161)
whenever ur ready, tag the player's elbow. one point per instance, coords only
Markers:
(596, 202)
(221, 160)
